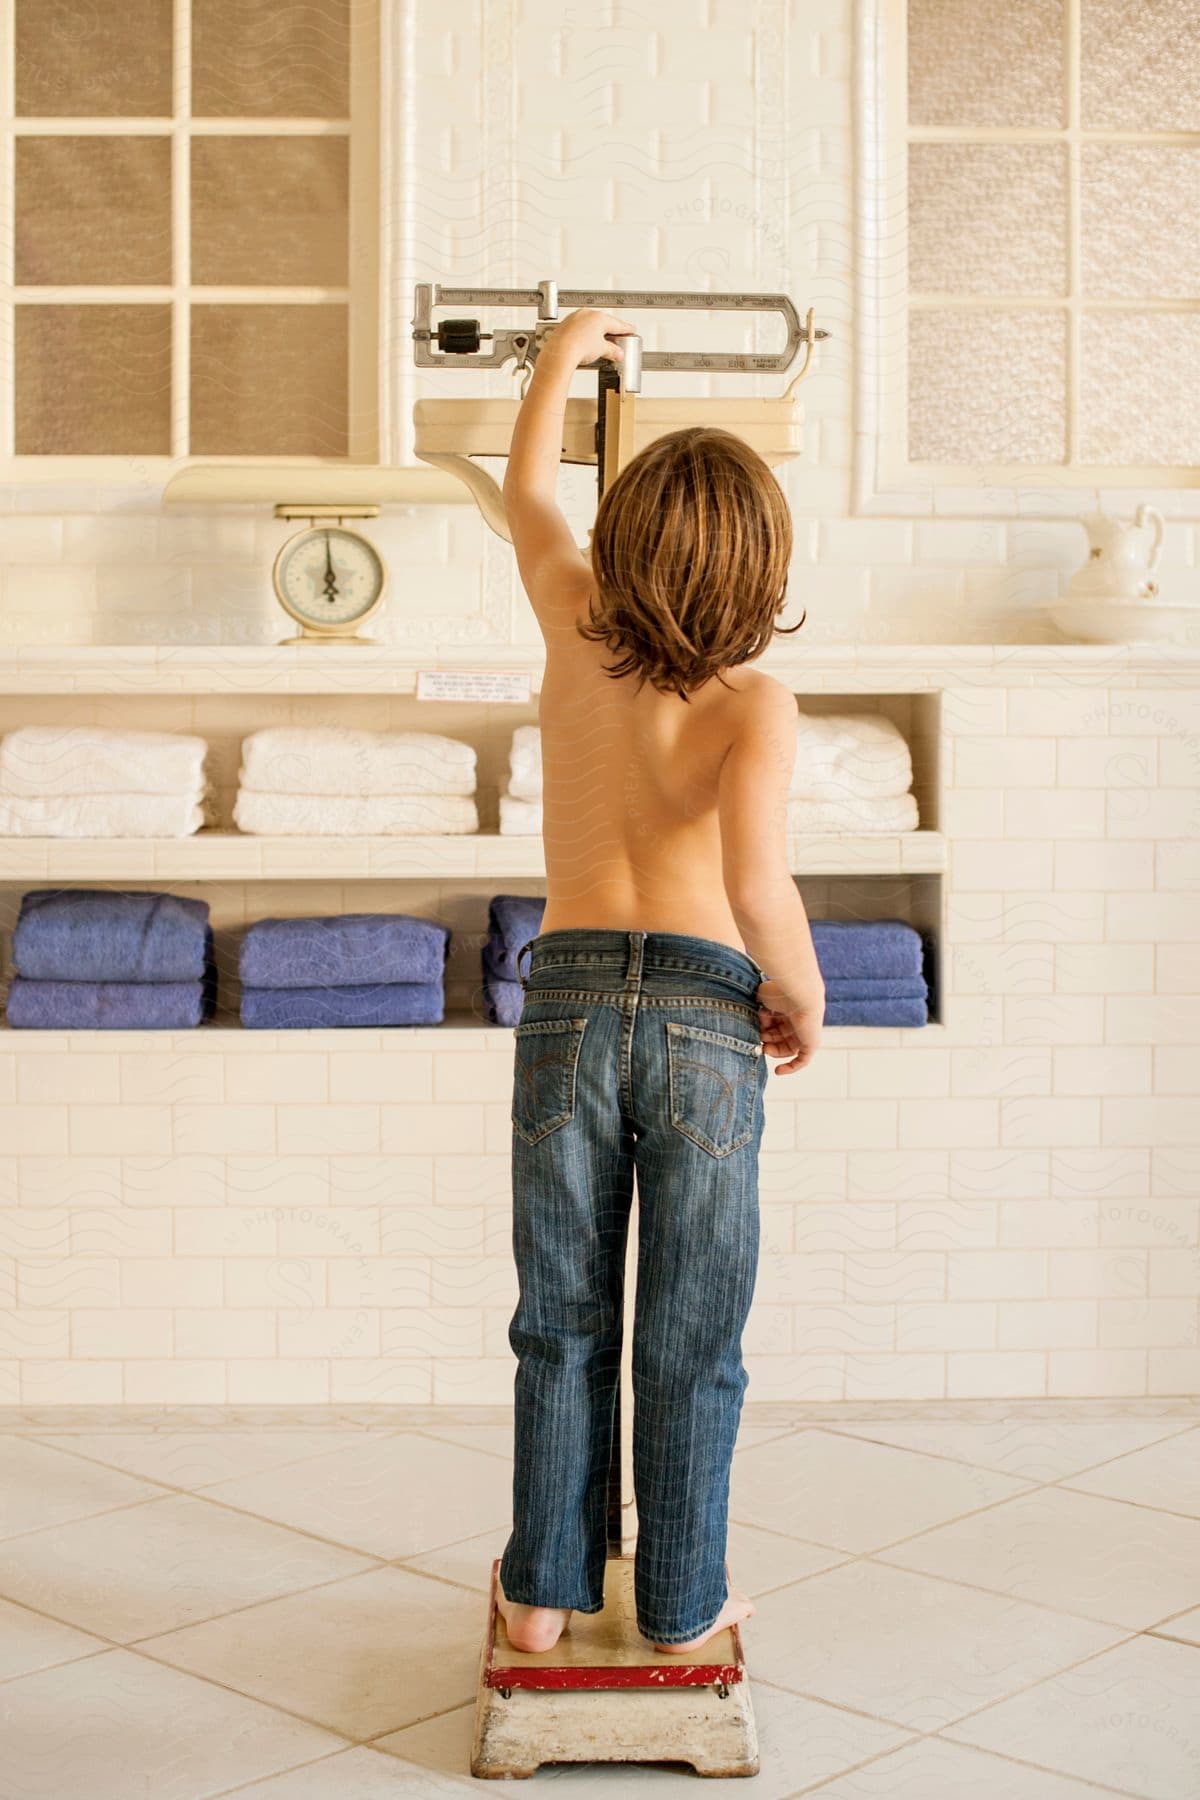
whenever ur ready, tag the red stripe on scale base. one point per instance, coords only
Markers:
(606, 1649)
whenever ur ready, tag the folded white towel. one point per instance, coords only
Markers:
(525, 763)
(93, 759)
(340, 760)
(520, 818)
(850, 756)
(892, 812)
(354, 815)
(839, 756)
(106, 815)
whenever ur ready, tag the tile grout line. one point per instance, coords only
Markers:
(348, 1415)
(248, 1787)
(845, 1556)
(916, 1735)
(52, 1443)
(1001, 1756)
(997, 1468)
(224, 1687)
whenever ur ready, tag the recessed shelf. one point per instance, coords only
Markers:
(298, 483)
(225, 1033)
(221, 692)
(845, 670)
(213, 855)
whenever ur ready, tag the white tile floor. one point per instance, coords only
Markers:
(1004, 1606)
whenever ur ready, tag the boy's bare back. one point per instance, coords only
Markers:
(662, 813)
(630, 820)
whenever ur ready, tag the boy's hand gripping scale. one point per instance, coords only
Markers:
(621, 420)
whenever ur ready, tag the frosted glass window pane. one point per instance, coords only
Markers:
(78, 59)
(272, 59)
(1137, 400)
(1140, 220)
(1139, 65)
(93, 380)
(269, 380)
(971, 62)
(269, 211)
(93, 210)
(986, 387)
(987, 218)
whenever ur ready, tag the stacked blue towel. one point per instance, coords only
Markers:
(348, 969)
(873, 972)
(513, 921)
(96, 959)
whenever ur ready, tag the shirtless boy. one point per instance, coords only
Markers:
(674, 956)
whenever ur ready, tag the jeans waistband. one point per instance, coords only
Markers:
(635, 954)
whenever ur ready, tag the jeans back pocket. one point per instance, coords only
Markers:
(713, 1079)
(545, 1063)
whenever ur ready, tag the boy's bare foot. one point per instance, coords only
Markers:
(738, 1606)
(531, 1627)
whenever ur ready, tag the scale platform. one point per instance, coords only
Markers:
(603, 1694)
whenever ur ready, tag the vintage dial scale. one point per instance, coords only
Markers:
(329, 578)
(603, 1694)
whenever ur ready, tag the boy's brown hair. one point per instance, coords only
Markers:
(690, 554)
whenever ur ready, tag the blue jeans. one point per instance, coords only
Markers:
(636, 1053)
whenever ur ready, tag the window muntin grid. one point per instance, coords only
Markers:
(122, 219)
(1052, 306)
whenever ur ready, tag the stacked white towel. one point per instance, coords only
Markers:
(336, 781)
(525, 763)
(896, 812)
(521, 800)
(853, 773)
(850, 756)
(520, 818)
(889, 812)
(93, 781)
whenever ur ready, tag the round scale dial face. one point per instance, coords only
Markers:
(328, 575)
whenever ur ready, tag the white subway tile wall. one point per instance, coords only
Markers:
(1005, 1205)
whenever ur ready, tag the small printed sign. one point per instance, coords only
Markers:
(492, 686)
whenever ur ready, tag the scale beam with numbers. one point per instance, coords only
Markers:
(451, 433)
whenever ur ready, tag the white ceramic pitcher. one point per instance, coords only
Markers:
(1122, 557)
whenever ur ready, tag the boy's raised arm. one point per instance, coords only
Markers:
(553, 569)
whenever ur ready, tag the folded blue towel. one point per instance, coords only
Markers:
(868, 962)
(496, 965)
(110, 1005)
(345, 950)
(514, 920)
(299, 1008)
(504, 1001)
(852, 948)
(876, 1012)
(93, 934)
(880, 987)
